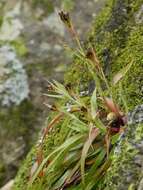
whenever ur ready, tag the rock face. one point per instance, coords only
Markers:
(31, 51)
(122, 36)
(117, 36)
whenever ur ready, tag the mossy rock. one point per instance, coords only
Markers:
(118, 40)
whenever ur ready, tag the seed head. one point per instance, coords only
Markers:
(65, 18)
(89, 54)
(68, 86)
(51, 107)
(50, 87)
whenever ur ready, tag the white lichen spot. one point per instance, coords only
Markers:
(13, 79)
(12, 26)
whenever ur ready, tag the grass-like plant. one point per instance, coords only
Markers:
(95, 124)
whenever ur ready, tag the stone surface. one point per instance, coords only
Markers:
(53, 23)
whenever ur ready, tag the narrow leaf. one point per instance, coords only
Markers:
(33, 169)
(98, 175)
(112, 106)
(62, 180)
(94, 104)
(121, 73)
(68, 143)
(100, 125)
(85, 149)
(98, 161)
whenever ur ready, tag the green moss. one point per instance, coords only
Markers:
(24, 173)
(20, 47)
(133, 80)
(102, 18)
(111, 30)
(77, 75)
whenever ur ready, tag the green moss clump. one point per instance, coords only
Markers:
(20, 47)
(24, 173)
(132, 82)
(77, 75)
(118, 41)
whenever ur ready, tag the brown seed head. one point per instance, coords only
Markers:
(89, 54)
(83, 109)
(65, 18)
(68, 86)
(50, 87)
(53, 108)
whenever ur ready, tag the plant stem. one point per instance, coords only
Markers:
(76, 37)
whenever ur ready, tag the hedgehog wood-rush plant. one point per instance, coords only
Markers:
(95, 124)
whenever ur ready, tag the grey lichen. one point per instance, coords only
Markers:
(13, 79)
